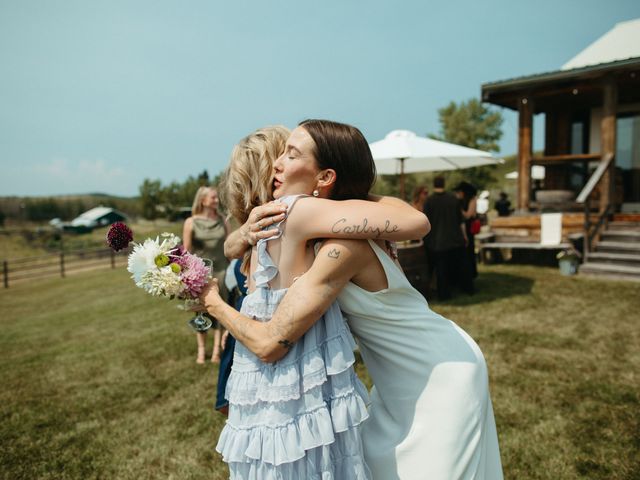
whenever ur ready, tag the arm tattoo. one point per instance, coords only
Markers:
(334, 253)
(286, 344)
(364, 227)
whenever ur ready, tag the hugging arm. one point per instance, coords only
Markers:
(250, 232)
(356, 219)
(303, 304)
(386, 218)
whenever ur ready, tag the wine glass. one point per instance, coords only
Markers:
(202, 321)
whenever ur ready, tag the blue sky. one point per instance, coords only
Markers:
(97, 95)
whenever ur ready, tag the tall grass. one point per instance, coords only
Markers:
(100, 381)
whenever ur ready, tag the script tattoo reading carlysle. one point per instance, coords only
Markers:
(340, 227)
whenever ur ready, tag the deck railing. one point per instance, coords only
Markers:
(592, 229)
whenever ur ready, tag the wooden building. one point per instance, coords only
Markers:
(591, 109)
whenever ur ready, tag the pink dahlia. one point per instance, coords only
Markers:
(195, 274)
(119, 236)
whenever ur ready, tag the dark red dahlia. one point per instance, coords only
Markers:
(119, 236)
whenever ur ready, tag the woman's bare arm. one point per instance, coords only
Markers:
(385, 219)
(303, 304)
(187, 234)
(470, 212)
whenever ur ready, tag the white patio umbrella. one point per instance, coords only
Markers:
(402, 151)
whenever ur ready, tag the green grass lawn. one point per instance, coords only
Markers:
(100, 381)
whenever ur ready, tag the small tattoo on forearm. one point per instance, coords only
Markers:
(286, 344)
(334, 253)
(363, 227)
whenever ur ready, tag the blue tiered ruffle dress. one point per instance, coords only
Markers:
(297, 418)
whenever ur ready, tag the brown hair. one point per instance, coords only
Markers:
(418, 191)
(344, 149)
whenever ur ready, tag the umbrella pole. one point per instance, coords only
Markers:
(402, 178)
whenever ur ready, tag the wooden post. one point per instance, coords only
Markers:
(608, 139)
(5, 273)
(525, 130)
(62, 264)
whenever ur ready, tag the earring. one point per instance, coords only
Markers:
(316, 192)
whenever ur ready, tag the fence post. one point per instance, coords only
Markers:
(113, 259)
(62, 264)
(5, 273)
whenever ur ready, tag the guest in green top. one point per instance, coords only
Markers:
(204, 234)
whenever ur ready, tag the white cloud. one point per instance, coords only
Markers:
(63, 175)
(63, 168)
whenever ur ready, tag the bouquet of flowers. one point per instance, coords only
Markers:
(163, 268)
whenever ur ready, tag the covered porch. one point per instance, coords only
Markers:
(591, 154)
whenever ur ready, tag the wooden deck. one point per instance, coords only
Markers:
(526, 228)
(517, 238)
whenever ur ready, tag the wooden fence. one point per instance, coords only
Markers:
(60, 264)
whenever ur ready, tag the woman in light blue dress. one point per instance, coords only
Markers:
(297, 417)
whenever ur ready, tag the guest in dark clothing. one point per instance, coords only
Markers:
(503, 205)
(467, 194)
(447, 241)
(229, 344)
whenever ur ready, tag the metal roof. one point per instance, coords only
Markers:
(619, 47)
(91, 216)
(620, 43)
(561, 74)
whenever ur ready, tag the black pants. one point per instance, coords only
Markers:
(471, 252)
(452, 268)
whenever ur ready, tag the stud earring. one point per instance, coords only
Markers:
(316, 192)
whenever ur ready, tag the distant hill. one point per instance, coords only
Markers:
(73, 196)
(65, 207)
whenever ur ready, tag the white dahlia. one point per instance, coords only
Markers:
(162, 282)
(142, 259)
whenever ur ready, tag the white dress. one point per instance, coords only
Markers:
(431, 415)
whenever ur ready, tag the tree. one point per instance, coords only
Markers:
(203, 178)
(473, 125)
(150, 198)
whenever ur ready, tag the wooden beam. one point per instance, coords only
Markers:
(608, 138)
(582, 157)
(569, 92)
(525, 141)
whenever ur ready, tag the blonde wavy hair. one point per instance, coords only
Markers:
(197, 208)
(247, 181)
